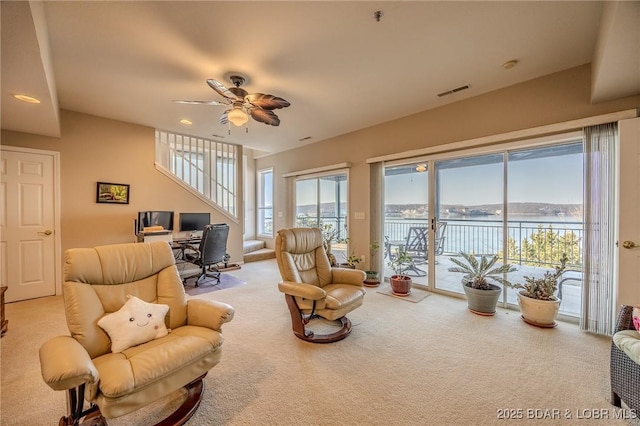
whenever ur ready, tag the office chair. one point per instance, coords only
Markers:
(211, 253)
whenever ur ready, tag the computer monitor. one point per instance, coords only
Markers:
(155, 218)
(190, 222)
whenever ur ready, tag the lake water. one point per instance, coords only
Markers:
(485, 234)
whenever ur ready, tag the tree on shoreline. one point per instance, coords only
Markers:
(546, 247)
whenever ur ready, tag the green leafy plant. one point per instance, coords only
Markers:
(374, 246)
(400, 261)
(329, 233)
(543, 288)
(546, 246)
(353, 260)
(479, 273)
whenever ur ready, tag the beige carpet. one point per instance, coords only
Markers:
(427, 363)
(415, 296)
(207, 284)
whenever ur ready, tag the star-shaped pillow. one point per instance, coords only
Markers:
(135, 323)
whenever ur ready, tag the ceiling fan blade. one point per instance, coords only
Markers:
(264, 116)
(224, 117)
(225, 102)
(221, 89)
(266, 101)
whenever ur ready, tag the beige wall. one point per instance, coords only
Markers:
(94, 149)
(552, 99)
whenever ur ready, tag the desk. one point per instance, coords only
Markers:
(148, 237)
(179, 245)
(187, 240)
(185, 268)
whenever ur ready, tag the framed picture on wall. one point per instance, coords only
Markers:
(112, 193)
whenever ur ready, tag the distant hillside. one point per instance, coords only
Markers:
(418, 210)
(519, 209)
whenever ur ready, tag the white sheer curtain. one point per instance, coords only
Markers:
(599, 251)
(376, 207)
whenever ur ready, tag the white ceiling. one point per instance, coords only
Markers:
(340, 68)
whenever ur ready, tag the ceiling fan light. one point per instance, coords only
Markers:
(237, 117)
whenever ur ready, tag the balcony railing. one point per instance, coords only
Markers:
(486, 237)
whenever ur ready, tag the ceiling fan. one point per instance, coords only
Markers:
(257, 105)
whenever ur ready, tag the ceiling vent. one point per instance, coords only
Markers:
(452, 91)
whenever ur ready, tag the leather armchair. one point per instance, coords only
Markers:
(97, 282)
(312, 288)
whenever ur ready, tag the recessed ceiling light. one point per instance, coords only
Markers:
(25, 98)
(510, 64)
(186, 122)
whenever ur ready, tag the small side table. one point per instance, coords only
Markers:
(4, 323)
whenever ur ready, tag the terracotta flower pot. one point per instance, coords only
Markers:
(400, 285)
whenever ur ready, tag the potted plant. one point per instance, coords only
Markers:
(400, 282)
(352, 261)
(482, 296)
(373, 277)
(537, 300)
(329, 235)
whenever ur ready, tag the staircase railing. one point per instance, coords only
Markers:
(207, 168)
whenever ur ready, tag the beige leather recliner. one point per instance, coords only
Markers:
(312, 287)
(97, 282)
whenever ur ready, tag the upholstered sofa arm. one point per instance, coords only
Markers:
(208, 313)
(348, 276)
(625, 319)
(306, 291)
(65, 364)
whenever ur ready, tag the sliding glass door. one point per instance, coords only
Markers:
(545, 217)
(407, 218)
(523, 204)
(470, 196)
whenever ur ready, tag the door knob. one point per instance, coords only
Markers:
(47, 232)
(628, 244)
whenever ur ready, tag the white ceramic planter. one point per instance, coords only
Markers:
(541, 313)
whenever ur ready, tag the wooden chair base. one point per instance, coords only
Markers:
(93, 417)
(299, 320)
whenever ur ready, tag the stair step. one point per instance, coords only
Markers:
(249, 246)
(260, 254)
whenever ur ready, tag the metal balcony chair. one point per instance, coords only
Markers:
(416, 246)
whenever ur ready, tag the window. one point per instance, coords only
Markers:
(206, 167)
(321, 202)
(265, 202)
(522, 201)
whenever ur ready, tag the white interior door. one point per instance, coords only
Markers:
(629, 224)
(27, 218)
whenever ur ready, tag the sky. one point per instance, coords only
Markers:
(556, 180)
(552, 179)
